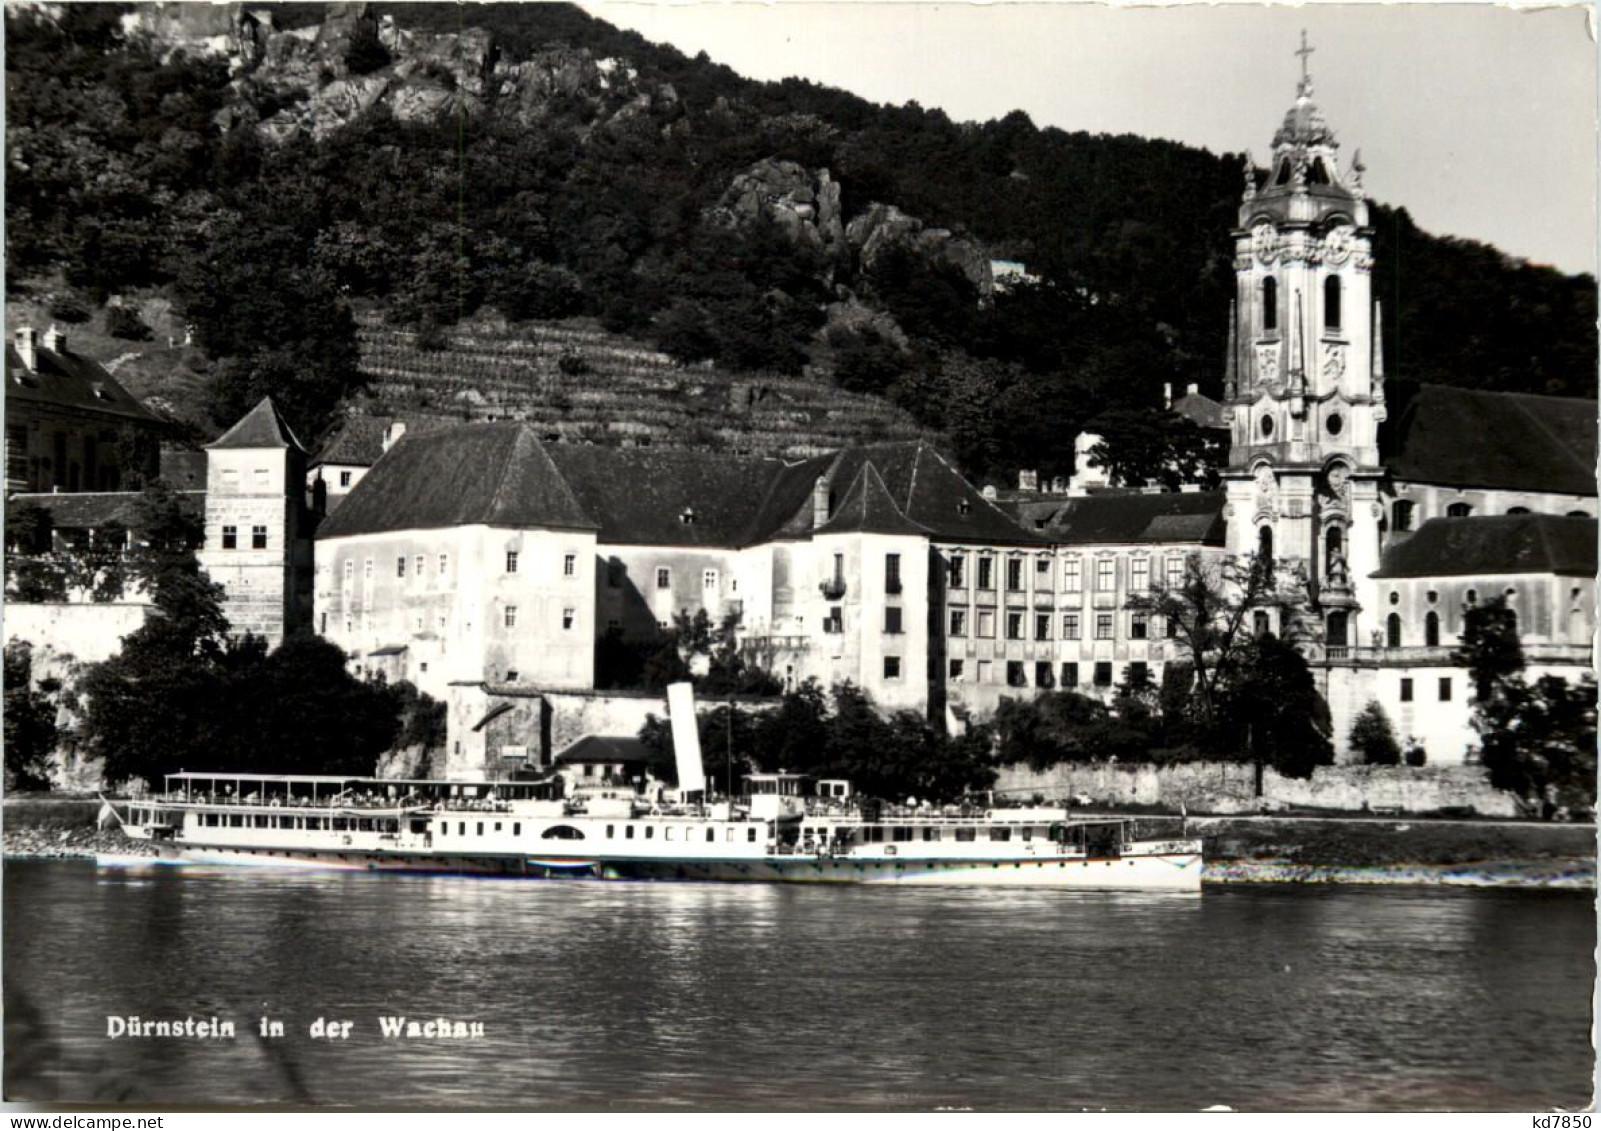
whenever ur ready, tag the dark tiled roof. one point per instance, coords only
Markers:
(261, 427)
(1495, 544)
(496, 474)
(1122, 519)
(1203, 410)
(642, 496)
(70, 381)
(1512, 441)
(98, 509)
(929, 491)
(359, 440)
(183, 470)
(609, 748)
(868, 509)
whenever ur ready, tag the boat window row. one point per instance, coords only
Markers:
(568, 832)
(294, 821)
(899, 834)
(670, 832)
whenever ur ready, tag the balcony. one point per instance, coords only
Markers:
(833, 589)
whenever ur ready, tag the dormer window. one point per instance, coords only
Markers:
(963, 507)
(687, 516)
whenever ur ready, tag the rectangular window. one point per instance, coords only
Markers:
(835, 621)
(417, 565)
(1014, 574)
(511, 561)
(1406, 691)
(1175, 571)
(1042, 567)
(230, 537)
(511, 616)
(1015, 676)
(986, 573)
(955, 571)
(1069, 626)
(400, 566)
(1103, 626)
(984, 672)
(986, 623)
(568, 616)
(957, 666)
(444, 564)
(258, 537)
(366, 570)
(1042, 626)
(1103, 674)
(344, 478)
(892, 573)
(892, 667)
(350, 570)
(263, 477)
(569, 565)
(1445, 691)
(1138, 673)
(1105, 575)
(1139, 578)
(1069, 675)
(708, 580)
(958, 622)
(1071, 581)
(1139, 626)
(1042, 674)
(664, 578)
(1014, 624)
(892, 620)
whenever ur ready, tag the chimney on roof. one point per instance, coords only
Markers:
(27, 343)
(1191, 389)
(54, 340)
(820, 504)
(1167, 394)
(395, 430)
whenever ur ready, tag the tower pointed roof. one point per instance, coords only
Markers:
(261, 427)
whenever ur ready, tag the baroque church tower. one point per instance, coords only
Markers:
(1304, 383)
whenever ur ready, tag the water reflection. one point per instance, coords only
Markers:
(730, 996)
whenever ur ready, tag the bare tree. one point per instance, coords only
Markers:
(1212, 615)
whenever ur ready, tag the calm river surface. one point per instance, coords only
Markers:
(721, 996)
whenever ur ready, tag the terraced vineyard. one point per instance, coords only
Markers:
(582, 384)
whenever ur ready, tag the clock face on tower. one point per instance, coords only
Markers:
(1263, 241)
(1337, 244)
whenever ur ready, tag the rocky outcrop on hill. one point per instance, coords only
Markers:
(884, 226)
(805, 206)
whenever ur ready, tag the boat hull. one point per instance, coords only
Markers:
(1172, 871)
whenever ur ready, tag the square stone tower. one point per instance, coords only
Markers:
(258, 531)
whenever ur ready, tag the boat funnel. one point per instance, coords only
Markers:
(686, 738)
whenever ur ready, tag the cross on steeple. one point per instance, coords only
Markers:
(1305, 52)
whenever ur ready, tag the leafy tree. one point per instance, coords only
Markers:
(30, 720)
(1490, 649)
(1273, 713)
(1539, 742)
(1373, 737)
(1142, 446)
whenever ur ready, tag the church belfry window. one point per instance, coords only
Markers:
(1270, 303)
(1331, 302)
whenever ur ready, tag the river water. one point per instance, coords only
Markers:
(772, 997)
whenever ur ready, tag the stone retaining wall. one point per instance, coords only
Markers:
(1224, 787)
